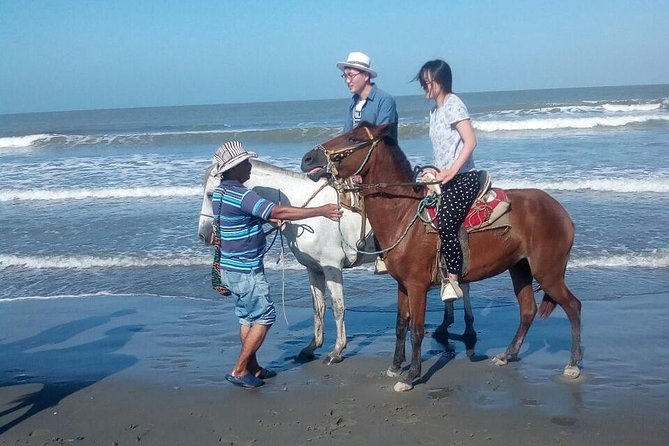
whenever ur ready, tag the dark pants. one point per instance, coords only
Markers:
(456, 197)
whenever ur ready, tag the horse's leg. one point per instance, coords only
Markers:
(469, 314)
(441, 332)
(417, 302)
(401, 327)
(317, 285)
(469, 336)
(522, 286)
(572, 307)
(334, 281)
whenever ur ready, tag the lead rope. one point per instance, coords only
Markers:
(282, 259)
(282, 251)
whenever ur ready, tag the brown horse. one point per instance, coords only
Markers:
(536, 246)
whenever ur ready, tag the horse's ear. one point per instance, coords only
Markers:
(383, 130)
(378, 131)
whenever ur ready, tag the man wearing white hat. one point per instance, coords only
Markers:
(238, 215)
(369, 103)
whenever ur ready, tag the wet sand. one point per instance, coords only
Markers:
(149, 370)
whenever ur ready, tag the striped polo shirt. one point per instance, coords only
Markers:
(242, 213)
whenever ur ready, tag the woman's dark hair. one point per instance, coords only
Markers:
(440, 72)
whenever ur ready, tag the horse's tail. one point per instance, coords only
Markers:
(547, 306)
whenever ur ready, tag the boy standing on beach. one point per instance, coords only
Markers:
(240, 213)
(369, 103)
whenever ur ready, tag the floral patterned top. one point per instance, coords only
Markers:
(446, 140)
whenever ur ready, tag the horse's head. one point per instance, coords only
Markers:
(205, 225)
(345, 155)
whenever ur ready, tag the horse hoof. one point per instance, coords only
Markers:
(305, 357)
(402, 387)
(500, 360)
(571, 371)
(393, 373)
(441, 336)
(329, 360)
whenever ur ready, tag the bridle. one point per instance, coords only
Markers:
(334, 157)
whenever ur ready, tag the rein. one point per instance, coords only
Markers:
(426, 202)
(335, 156)
(360, 186)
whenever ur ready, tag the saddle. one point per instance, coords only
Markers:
(490, 205)
(489, 211)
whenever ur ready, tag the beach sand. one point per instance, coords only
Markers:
(150, 370)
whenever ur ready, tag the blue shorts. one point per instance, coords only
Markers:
(251, 292)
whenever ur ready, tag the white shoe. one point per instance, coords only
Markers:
(450, 290)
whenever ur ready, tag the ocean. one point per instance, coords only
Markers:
(96, 204)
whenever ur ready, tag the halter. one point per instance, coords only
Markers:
(336, 156)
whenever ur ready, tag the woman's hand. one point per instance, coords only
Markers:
(446, 175)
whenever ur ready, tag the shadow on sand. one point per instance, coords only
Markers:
(61, 371)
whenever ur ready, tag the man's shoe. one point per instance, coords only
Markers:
(450, 290)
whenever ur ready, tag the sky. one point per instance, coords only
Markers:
(80, 55)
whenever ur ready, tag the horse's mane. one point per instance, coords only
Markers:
(394, 149)
(261, 165)
(399, 156)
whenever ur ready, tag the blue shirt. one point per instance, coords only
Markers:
(240, 213)
(380, 108)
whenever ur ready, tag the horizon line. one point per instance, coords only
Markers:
(314, 100)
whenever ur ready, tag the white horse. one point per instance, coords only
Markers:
(323, 246)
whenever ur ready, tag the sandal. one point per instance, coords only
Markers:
(247, 381)
(266, 374)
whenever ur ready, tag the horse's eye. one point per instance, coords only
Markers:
(353, 139)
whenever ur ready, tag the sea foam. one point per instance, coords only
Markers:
(100, 294)
(100, 193)
(565, 122)
(621, 185)
(17, 142)
(286, 134)
(616, 185)
(657, 258)
(126, 261)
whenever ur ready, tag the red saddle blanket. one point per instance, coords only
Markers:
(484, 211)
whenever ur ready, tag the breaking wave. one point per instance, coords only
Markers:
(658, 258)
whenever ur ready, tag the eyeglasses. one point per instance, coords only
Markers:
(426, 85)
(349, 76)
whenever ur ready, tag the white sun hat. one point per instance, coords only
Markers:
(358, 61)
(231, 154)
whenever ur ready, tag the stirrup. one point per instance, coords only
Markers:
(380, 266)
(450, 290)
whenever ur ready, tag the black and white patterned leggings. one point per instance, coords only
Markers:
(456, 197)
